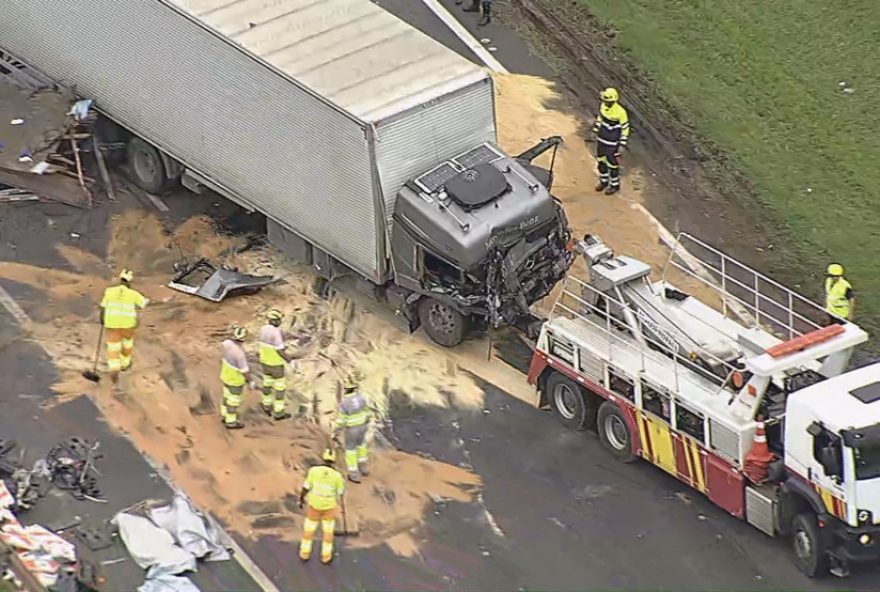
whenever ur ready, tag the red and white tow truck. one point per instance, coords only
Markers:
(690, 386)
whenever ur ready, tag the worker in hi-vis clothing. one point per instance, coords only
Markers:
(234, 374)
(323, 488)
(119, 315)
(352, 418)
(273, 359)
(612, 133)
(840, 300)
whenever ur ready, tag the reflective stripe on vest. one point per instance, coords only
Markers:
(231, 375)
(353, 411)
(270, 356)
(836, 301)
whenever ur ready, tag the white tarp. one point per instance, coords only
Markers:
(192, 531)
(151, 547)
(168, 583)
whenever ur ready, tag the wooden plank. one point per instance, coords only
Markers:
(102, 169)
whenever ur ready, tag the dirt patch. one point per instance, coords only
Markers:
(168, 403)
(529, 107)
(688, 182)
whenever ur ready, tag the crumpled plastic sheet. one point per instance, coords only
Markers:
(198, 535)
(152, 547)
(168, 583)
(80, 109)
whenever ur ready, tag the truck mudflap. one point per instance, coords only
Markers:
(206, 280)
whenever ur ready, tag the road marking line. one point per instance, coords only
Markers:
(14, 309)
(465, 36)
(238, 554)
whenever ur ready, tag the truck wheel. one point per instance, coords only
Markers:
(145, 166)
(443, 324)
(574, 408)
(810, 553)
(614, 433)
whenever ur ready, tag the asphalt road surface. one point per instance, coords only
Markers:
(556, 512)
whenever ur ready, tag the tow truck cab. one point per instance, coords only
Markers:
(832, 465)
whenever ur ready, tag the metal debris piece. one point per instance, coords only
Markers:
(206, 280)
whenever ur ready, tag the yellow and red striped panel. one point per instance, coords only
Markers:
(833, 505)
(674, 453)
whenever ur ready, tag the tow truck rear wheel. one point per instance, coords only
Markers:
(442, 323)
(574, 408)
(810, 554)
(614, 433)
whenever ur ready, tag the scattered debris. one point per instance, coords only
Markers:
(203, 278)
(95, 538)
(38, 130)
(71, 465)
(199, 536)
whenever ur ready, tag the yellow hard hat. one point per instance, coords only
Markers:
(126, 275)
(351, 381)
(274, 315)
(239, 333)
(835, 269)
(329, 455)
(609, 94)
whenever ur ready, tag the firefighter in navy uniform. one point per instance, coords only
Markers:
(612, 132)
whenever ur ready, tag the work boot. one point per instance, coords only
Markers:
(601, 185)
(612, 189)
(236, 425)
(487, 16)
(281, 416)
(267, 409)
(474, 7)
(354, 477)
(362, 469)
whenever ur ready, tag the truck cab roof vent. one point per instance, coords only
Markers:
(870, 393)
(477, 186)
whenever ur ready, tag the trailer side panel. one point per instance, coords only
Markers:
(218, 109)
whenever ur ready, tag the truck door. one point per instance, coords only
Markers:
(826, 469)
(654, 427)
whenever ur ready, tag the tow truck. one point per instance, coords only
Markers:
(740, 390)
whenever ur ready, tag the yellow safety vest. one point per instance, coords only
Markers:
(120, 305)
(270, 356)
(324, 485)
(353, 411)
(230, 375)
(836, 301)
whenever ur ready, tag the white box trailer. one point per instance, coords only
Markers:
(368, 145)
(307, 111)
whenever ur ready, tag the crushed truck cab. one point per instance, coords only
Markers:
(742, 393)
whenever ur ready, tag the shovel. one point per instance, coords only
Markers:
(92, 374)
(347, 529)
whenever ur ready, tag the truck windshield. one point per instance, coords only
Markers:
(867, 462)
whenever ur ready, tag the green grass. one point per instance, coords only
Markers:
(760, 79)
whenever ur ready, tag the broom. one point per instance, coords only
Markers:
(92, 374)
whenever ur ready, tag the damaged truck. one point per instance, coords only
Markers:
(369, 147)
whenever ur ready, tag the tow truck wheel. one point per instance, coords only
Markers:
(614, 433)
(442, 323)
(810, 554)
(571, 405)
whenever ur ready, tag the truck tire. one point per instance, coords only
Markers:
(442, 323)
(572, 406)
(807, 542)
(614, 432)
(145, 166)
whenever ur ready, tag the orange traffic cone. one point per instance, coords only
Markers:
(757, 461)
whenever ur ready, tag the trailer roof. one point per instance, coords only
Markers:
(352, 52)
